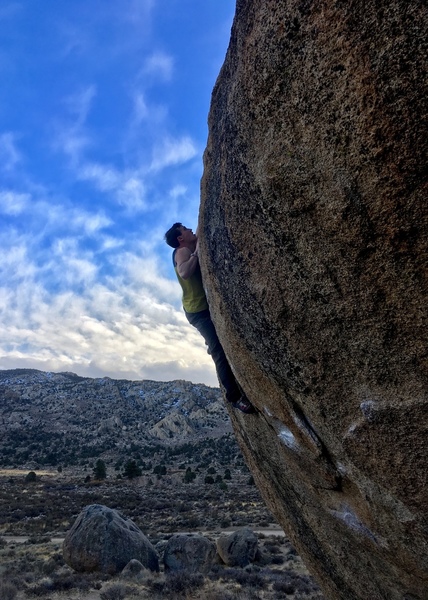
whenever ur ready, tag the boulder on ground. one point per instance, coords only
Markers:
(101, 539)
(133, 569)
(189, 552)
(237, 549)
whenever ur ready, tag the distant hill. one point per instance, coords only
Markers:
(61, 419)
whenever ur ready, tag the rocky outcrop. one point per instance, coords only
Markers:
(104, 541)
(313, 234)
(237, 549)
(173, 424)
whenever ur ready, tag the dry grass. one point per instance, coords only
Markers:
(37, 570)
(44, 510)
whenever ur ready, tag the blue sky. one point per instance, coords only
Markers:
(103, 123)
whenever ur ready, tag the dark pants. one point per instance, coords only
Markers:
(203, 323)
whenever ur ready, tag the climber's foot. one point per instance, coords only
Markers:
(244, 405)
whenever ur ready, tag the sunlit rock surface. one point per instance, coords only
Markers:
(314, 252)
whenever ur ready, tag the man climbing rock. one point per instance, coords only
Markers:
(186, 265)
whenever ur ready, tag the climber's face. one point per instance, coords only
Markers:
(187, 235)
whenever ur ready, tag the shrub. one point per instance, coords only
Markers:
(277, 560)
(115, 591)
(41, 588)
(182, 582)
(176, 584)
(284, 586)
(36, 539)
(7, 590)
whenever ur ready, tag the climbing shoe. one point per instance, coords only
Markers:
(244, 405)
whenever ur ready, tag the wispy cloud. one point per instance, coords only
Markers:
(9, 155)
(98, 156)
(137, 11)
(141, 110)
(173, 152)
(127, 187)
(158, 66)
(79, 104)
(122, 329)
(13, 203)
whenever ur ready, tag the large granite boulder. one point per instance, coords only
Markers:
(103, 540)
(313, 246)
(189, 552)
(237, 549)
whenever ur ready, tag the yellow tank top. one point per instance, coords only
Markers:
(194, 298)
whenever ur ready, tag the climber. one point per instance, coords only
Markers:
(186, 264)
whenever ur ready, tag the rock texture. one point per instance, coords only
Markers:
(313, 234)
(237, 549)
(189, 552)
(102, 540)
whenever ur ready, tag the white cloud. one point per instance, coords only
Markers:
(173, 152)
(177, 191)
(91, 223)
(9, 155)
(127, 187)
(105, 178)
(71, 141)
(132, 194)
(141, 111)
(80, 103)
(137, 11)
(118, 329)
(158, 65)
(13, 203)
(71, 138)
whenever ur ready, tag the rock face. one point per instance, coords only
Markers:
(237, 549)
(189, 553)
(102, 540)
(313, 234)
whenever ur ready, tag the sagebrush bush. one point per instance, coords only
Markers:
(181, 582)
(277, 560)
(176, 584)
(7, 590)
(115, 591)
(41, 588)
(37, 539)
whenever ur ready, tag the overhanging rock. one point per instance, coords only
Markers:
(314, 237)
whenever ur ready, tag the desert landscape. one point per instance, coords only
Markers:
(36, 514)
(162, 455)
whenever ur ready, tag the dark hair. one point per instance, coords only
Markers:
(172, 234)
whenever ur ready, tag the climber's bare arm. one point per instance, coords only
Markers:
(186, 262)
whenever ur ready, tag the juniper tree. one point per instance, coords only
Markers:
(100, 471)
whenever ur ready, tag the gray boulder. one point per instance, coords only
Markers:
(237, 549)
(189, 552)
(133, 569)
(103, 540)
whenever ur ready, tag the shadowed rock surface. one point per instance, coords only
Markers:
(314, 237)
(185, 552)
(102, 540)
(237, 549)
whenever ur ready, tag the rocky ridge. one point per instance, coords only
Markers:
(52, 418)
